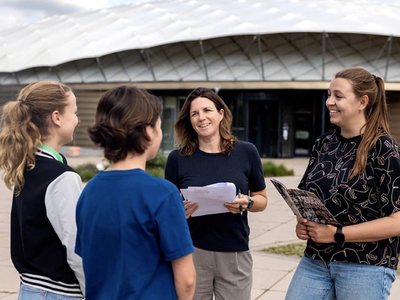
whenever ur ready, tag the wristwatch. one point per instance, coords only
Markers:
(251, 203)
(339, 236)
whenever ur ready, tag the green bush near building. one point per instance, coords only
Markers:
(155, 167)
(270, 169)
(86, 171)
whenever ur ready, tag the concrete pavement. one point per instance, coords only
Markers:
(273, 227)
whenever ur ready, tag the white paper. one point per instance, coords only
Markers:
(210, 198)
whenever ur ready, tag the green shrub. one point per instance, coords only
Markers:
(156, 172)
(157, 162)
(86, 171)
(272, 170)
(155, 167)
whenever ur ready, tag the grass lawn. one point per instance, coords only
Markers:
(295, 249)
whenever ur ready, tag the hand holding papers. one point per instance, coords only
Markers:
(210, 198)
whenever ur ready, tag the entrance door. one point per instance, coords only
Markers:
(263, 120)
(303, 129)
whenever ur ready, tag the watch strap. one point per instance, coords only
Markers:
(250, 203)
(339, 236)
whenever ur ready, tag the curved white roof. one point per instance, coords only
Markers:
(94, 34)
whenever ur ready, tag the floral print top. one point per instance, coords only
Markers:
(375, 194)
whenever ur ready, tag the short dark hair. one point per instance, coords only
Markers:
(121, 117)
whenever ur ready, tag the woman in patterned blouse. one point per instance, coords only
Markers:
(355, 171)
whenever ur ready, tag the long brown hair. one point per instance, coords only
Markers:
(24, 123)
(186, 137)
(376, 112)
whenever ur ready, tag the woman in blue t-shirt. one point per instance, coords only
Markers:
(208, 153)
(355, 171)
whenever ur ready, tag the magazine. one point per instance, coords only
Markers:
(305, 204)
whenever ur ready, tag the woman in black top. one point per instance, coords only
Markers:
(208, 153)
(355, 172)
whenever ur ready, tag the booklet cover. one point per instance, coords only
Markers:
(305, 204)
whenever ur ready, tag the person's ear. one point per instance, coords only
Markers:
(221, 112)
(364, 102)
(56, 118)
(149, 132)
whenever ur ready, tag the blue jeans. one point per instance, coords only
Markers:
(27, 292)
(320, 280)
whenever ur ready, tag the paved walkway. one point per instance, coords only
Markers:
(275, 226)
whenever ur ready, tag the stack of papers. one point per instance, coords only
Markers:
(210, 198)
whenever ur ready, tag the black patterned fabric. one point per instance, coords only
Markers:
(375, 194)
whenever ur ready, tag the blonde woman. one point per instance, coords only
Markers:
(34, 127)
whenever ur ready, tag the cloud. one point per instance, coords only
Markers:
(46, 7)
(14, 12)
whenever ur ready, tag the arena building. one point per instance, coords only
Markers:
(271, 61)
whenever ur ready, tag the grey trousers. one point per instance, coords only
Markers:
(224, 275)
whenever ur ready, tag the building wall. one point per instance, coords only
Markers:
(87, 102)
(8, 93)
(289, 100)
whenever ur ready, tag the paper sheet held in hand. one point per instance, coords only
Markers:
(210, 198)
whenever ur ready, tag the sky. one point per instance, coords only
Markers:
(19, 12)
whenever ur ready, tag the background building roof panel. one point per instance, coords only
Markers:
(61, 39)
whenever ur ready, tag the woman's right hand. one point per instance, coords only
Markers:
(190, 208)
(301, 229)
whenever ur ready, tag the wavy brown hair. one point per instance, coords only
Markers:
(121, 118)
(376, 112)
(24, 123)
(186, 137)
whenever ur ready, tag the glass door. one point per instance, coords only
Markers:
(303, 129)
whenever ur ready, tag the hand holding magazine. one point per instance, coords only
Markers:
(305, 204)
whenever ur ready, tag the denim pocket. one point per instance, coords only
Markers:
(27, 292)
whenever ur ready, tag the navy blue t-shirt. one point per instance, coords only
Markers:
(225, 232)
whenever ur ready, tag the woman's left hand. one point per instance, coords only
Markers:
(238, 205)
(321, 233)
